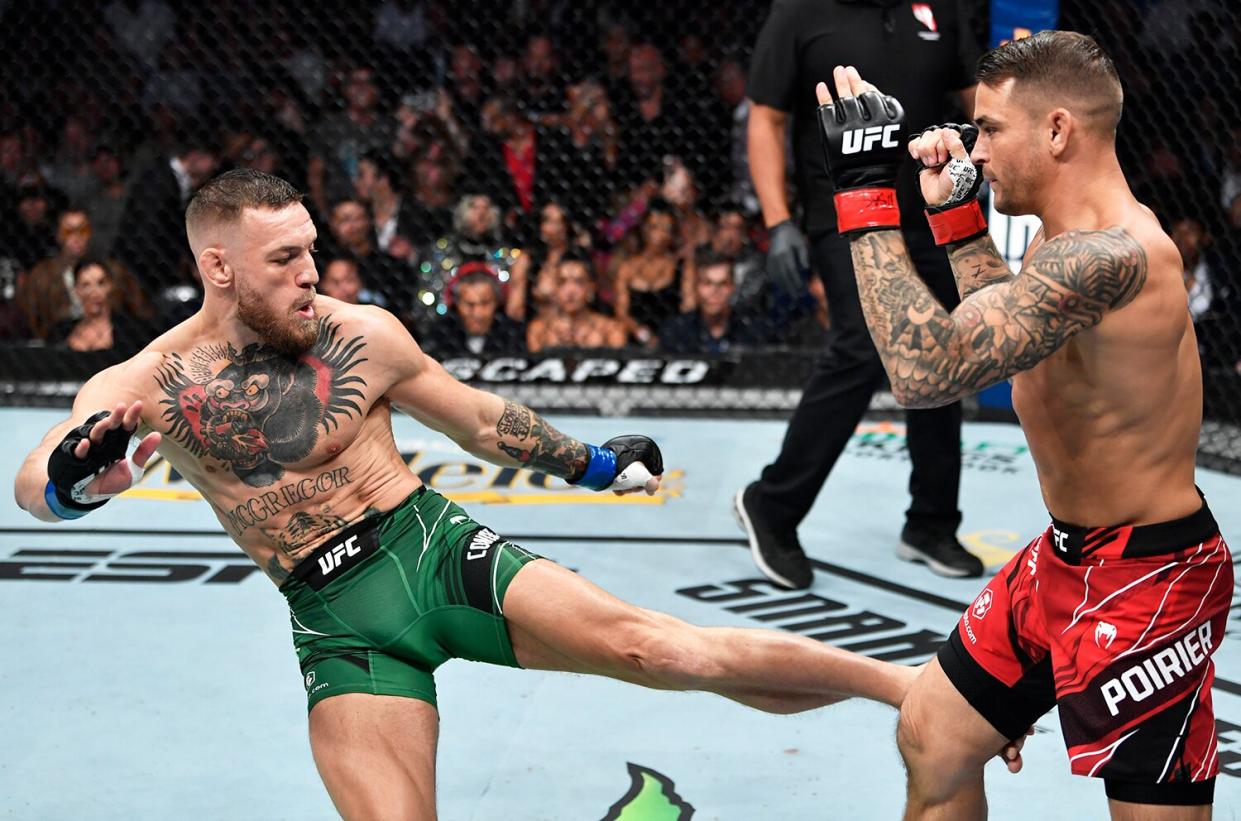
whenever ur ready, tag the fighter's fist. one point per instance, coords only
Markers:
(946, 174)
(639, 464)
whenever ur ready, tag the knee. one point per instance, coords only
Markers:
(664, 652)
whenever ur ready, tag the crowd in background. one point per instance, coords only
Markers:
(505, 177)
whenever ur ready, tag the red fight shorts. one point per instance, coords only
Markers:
(1117, 626)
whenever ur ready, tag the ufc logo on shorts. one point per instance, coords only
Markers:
(1061, 537)
(1143, 680)
(864, 139)
(331, 560)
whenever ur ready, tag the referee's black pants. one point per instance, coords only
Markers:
(840, 390)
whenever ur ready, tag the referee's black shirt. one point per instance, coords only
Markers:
(916, 52)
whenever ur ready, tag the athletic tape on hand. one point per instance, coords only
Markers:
(78, 491)
(963, 173)
(635, 475)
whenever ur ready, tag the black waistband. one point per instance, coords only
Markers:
(346, 549)
(1073, 543)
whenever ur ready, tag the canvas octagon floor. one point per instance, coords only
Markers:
(171, 690)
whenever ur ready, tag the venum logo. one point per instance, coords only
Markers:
(481, 543)
(310, 679)
(857, 140)
(982, 604)
(331, 560)
(1143, 680)
(1104, 634)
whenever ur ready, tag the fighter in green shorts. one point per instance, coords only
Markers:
(384, 602)
(276, 404)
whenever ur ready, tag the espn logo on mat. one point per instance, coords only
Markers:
(857, 140)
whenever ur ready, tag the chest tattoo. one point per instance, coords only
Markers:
(257, 410)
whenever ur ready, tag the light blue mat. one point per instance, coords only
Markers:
(164, 685)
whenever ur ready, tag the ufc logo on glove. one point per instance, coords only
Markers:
(863, 139)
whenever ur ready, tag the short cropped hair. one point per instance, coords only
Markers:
(1057, 64)
(224, 198)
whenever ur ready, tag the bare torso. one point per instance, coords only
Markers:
(1112, 418)
(286, 452)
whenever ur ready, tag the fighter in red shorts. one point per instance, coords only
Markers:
(1114, 618)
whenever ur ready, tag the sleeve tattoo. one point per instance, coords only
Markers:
(530, 441)
(933, 357)
(977, 264)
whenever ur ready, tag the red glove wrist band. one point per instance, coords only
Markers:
(957, 224)
(866, 209)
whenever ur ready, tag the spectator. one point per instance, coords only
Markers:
(713, 327)
(70, 169)
(524, 164)
(341, 140)
(542, 85)
(46, 293)
(13, 159)
(475, 237)
(534, 272)
(342, 280)
(30, 234)
(474, 324)
(614, 49)
(105, 205)
(152, 240)
(730, 91)
(353, 237)
(730, 238)
(654, 124)
(654, 284)
(433, 197)
(594, 148)
(465, 85)
(102, 326)
(680, 190)
(1190, 238)
(379, 186)
(572, 323)
(141, 28)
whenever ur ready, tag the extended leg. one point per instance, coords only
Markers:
(376, 755)
(560, 621)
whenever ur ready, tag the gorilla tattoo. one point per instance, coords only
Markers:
(257, 409)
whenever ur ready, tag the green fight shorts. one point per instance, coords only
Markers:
(380, 605)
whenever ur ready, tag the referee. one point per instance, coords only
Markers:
(923, 54)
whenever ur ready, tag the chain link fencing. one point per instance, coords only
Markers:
(553, 196)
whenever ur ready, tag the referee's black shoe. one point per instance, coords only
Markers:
(939, 551)
(776, 552)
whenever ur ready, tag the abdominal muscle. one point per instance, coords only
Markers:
(280, 524)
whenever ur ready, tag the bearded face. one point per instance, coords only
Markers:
(280, 328)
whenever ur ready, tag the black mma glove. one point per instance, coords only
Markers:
(68, 475)
(622, 463)
(863, 148)
(788, 261)
(960, 217)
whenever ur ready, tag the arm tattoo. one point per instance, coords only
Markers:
(977, 264)
(934, 358)
(533, 443)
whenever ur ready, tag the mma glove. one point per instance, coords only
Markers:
(862, 144)
(959, 218)
(788, 261)
(622, 463)
(68, 475)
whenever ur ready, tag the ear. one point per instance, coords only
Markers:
(213, 267)
(1060, 125)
